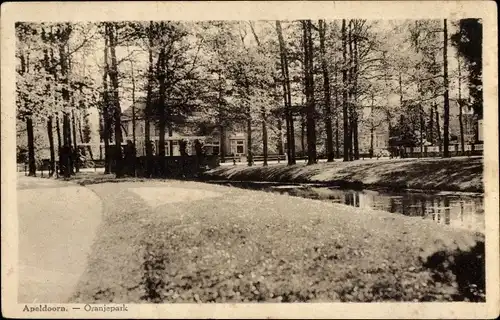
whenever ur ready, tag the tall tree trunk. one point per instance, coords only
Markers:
(50, 131)
(327, 95)
(419, 91)
(460, 106)
(58, 130)
(400, 83)
(60, 143)
(113, 76)
(264, 136)
(286, 110)
(147, 111)
(75, 143)
(280, 136)
(438, 128)
(287, 96)
(222, 143)
(106, 108)
(170, 144)
(161, 105)
(249, 126)
(67, 129)
(337, 116)
(344, 92)
(149, 98)
(371, 141)
(372, 125)
(82, 138)
(222, 118)
(263, 109)
(133, 99)
(355, 94)
(310, 107)
(68, 163)
(66, 116)
(446, 119)
(303, 135)
(29, 125)
(50, 134)
(431, 126)
(350, 94)
(422, 128)
(31, 147)
(68, 167)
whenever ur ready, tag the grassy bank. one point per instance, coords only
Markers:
(454, 174)
(240, 245)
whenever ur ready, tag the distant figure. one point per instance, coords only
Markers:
(76, 157)
(152, 147)
(198, 149)
(129, 158)
(183, 148)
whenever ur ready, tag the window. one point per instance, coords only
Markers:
(239, 149)
(239, 142)
(157, 131)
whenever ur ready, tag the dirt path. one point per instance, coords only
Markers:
(57, 226)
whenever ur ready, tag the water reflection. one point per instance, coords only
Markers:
(459, 210)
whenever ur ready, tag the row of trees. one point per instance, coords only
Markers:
(52, 88)
(264, 76)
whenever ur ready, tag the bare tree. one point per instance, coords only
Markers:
(327, 94)
(309, 86)
(347, 141)
(286, 96)
(446, 120)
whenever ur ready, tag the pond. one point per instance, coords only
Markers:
(456, 209)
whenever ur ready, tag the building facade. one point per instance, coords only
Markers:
(234, 140)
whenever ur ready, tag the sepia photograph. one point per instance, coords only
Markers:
(317, 159)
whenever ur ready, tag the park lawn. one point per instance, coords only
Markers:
(453, 174)
(232, 245)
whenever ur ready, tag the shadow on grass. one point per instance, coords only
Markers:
(455, 174)
(85, 179)
(465, 267)
(444, 174)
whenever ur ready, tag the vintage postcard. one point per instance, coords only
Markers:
(259, 159)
